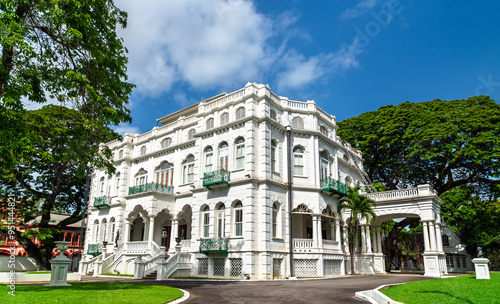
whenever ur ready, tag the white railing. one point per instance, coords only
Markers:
(185, 245)
(297, 104)
(394, 194)
(108, 261)
(88, 266)
(224, 99)
(137, 247)
(332, 245)
(190, 119)
(302, 243)
(155, 248)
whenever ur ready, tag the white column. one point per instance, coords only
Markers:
(363, 239)
(173, 235)
(315, 231)
(151, 231)
(337, 232)
(379, 240)
(426, 237)
(374, 239)
(126, 233)
(439, 238)
(432, 234)
(368, 239)
(320, 231)
(346, 239)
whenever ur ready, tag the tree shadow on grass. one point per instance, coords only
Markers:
(448, 295)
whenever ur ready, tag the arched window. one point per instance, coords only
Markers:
(117, 183)
(210, 123)
(323, 130)
(221, 221)
(112, 232)
(298, 160)
(191, 134)
(446, 240)
(166, 143)
(141, 178)
(298, 123)
(240, 113)
(240, 153)
(104, 230)
(275, 219)
(325, 164)
(97, 236)
(165, 174)
(302, 208)
(110, 184)
(345, 157)
(143, 150)
(238, 218)
(209, 153)
(224, 119)
(273, 155)
(272, 114)
(205, 215)
(328, 211)
(188, 170)
(102, 186)
(120, 154)
(348, 181)
(223, 156)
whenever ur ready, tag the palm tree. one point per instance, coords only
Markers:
(361, 207)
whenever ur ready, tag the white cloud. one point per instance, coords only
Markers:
(122, 129)
(302, 71)
(202, 43)
(210, 45)
(361, 8)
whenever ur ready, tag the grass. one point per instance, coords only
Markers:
(38, 272)
(92, 293)
(463, 289)
(118, 275)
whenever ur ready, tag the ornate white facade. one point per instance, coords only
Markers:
(215, 176)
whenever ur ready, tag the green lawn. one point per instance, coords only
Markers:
(92, 293)
(463, 289)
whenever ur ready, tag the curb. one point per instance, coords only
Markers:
(374, 296)
(184, 298)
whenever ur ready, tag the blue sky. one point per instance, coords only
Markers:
(350, 57)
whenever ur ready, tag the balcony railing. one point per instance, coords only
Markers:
(333, 186)
(216, 177)
(94, 249)
(151, 187)
(102, 201)
(214, 245)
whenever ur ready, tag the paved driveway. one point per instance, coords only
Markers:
(337, 290)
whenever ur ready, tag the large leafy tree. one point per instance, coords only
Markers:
(64, 51)
(360, 207)
(446, 144)
(52, 174)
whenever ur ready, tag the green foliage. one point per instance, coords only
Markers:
(463, 289)
(442, 143)
(50, 177)
(477, 220)
(65, 51)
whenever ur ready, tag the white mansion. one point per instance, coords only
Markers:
(214, 191)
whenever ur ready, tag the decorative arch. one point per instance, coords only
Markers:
(302, 208)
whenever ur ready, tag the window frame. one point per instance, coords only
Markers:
(239, 155)
(238, 219)
(188, 170)
(240, 113)
(209, 124)
(209, 161)
(298, 154)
